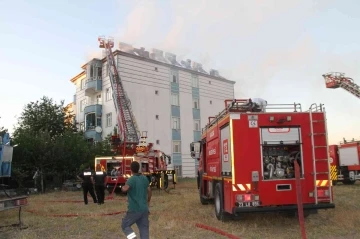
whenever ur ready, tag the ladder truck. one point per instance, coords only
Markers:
(126, 140)
(335, 80)
(8, 201)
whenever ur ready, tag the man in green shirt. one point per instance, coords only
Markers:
(139, 195)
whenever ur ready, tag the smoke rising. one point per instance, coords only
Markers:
(248, 41)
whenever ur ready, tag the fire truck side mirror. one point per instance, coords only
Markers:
(195, 150)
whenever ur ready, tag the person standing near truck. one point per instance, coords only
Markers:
(100, 181)
(139, 196)
(87, 183)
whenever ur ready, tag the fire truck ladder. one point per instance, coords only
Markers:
(335, 80)
(319, 142)
(128, 131)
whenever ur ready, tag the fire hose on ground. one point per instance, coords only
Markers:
(198, 225)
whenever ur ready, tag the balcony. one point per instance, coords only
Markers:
(93, 127)
(93, 107)
(91, 133)
(93, 85)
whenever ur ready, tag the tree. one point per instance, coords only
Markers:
(2, 130)
(45, 115)
(47, 143)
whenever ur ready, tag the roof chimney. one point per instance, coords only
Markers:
(146, 54)
(171, 58)
(186, 64)
(158, 55)
(214, 73)
(196, 66)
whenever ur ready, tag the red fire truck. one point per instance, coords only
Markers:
(153, 164)
(345, 161)
(247, 159)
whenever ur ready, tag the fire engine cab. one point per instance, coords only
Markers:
(345, 161)
(255, 158)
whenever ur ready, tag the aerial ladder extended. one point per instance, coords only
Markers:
(335, 80)
(128, 135)
(127, 140)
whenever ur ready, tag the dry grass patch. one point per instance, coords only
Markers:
(173, 215)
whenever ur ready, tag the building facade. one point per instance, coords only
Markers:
(170, 100)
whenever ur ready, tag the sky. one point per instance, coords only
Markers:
(275, 50)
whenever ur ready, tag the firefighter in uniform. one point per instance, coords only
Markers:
(87, 183)
(100, 181)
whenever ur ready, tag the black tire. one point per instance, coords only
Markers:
(166, 181)
(349, 182)
(203, 201)
(219, 204)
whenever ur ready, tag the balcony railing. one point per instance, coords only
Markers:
(93, 85)
(93, 134)
(93, 106)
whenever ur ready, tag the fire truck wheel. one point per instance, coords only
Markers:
(166, 181)
(348, 182)
(219, 204)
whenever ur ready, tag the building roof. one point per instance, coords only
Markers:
(157, 57)
(78, 76)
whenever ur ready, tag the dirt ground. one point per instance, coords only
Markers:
(174, 215)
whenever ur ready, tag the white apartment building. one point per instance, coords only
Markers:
(170, 100)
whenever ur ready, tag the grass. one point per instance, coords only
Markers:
(173, 215)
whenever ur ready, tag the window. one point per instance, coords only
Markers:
(99, 72)
(210, 102)
(98, 99)
(157, 117)
(91, 71)
(197, 125)
(156, 92)
(98, 121)
(108, 94)
(108, 120)
(157, 141)
(174, 76)
(82, 105)
(82, 84)
(196, 103)
(195, 81)
(82, 126)
(174, 99)
(178, 170)
(175, 123)
(176, 146)
(90, 121)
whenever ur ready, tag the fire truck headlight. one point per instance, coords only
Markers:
(288, 118)
(271, 118)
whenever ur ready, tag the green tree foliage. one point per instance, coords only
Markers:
(2, 130)
(45, 115)
(49, 144)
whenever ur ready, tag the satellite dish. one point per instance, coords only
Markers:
(98, 129)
